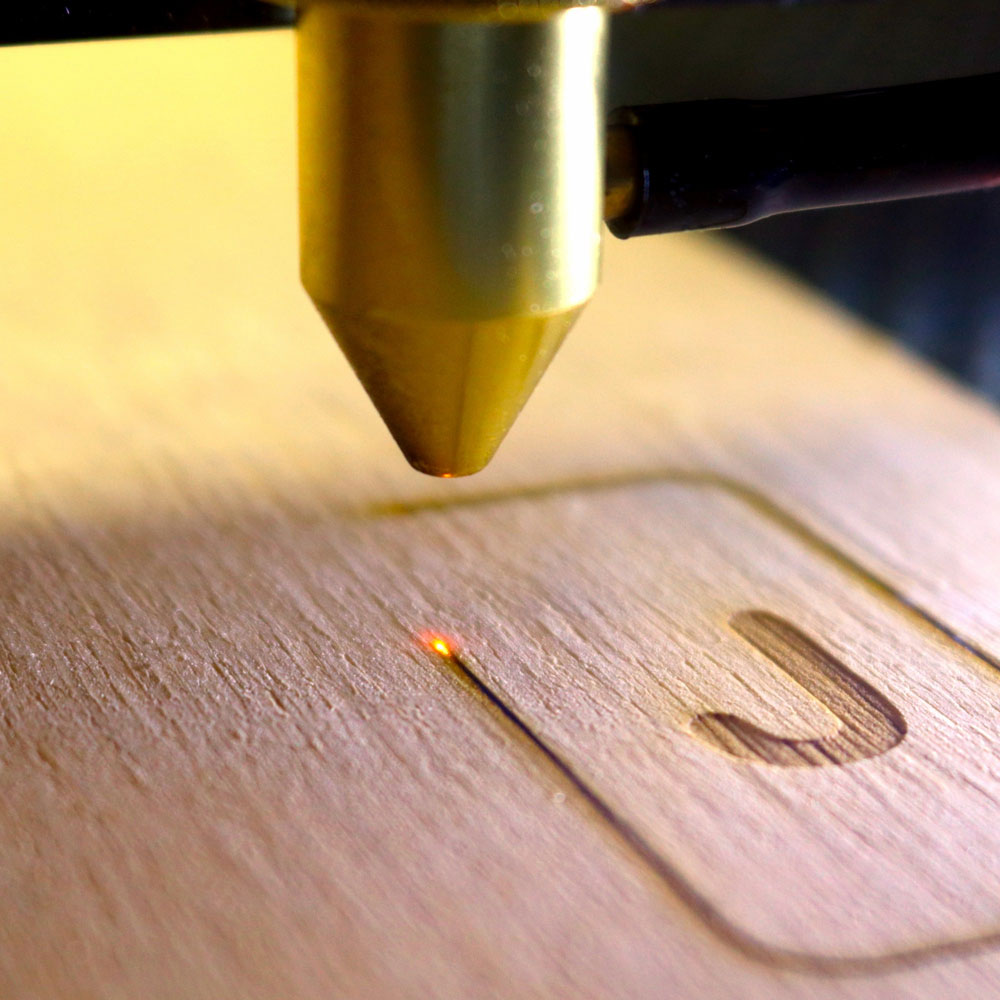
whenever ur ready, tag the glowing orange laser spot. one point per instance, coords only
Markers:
(441, 647)
(438, 644)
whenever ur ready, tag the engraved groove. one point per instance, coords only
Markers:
(710, 916)
(671, 877)
(870, 724)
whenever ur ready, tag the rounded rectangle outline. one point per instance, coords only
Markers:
(725, 930)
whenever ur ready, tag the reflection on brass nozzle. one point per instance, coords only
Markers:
(451, 171)
(621, 184)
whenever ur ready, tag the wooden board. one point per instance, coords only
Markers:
(663, 638)
(720, 718)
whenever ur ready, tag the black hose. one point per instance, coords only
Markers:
(714, 164)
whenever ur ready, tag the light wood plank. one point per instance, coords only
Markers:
(228, 766)
(615, 622)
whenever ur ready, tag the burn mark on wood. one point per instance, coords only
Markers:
(869, 723)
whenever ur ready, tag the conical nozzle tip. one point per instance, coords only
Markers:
(449, 391)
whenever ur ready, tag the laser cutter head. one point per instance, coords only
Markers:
(451, 184)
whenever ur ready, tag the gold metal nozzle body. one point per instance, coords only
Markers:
(451, 183)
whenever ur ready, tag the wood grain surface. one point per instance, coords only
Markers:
(717, 715)
(615, 663)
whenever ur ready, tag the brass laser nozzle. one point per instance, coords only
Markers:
(451, 183)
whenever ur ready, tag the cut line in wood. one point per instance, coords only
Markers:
(772, 635)
(741, 491)
(724, 930)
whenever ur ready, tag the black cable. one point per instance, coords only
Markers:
(68, 20)
(715, 164)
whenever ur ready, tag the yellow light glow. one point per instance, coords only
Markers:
(437, 644)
